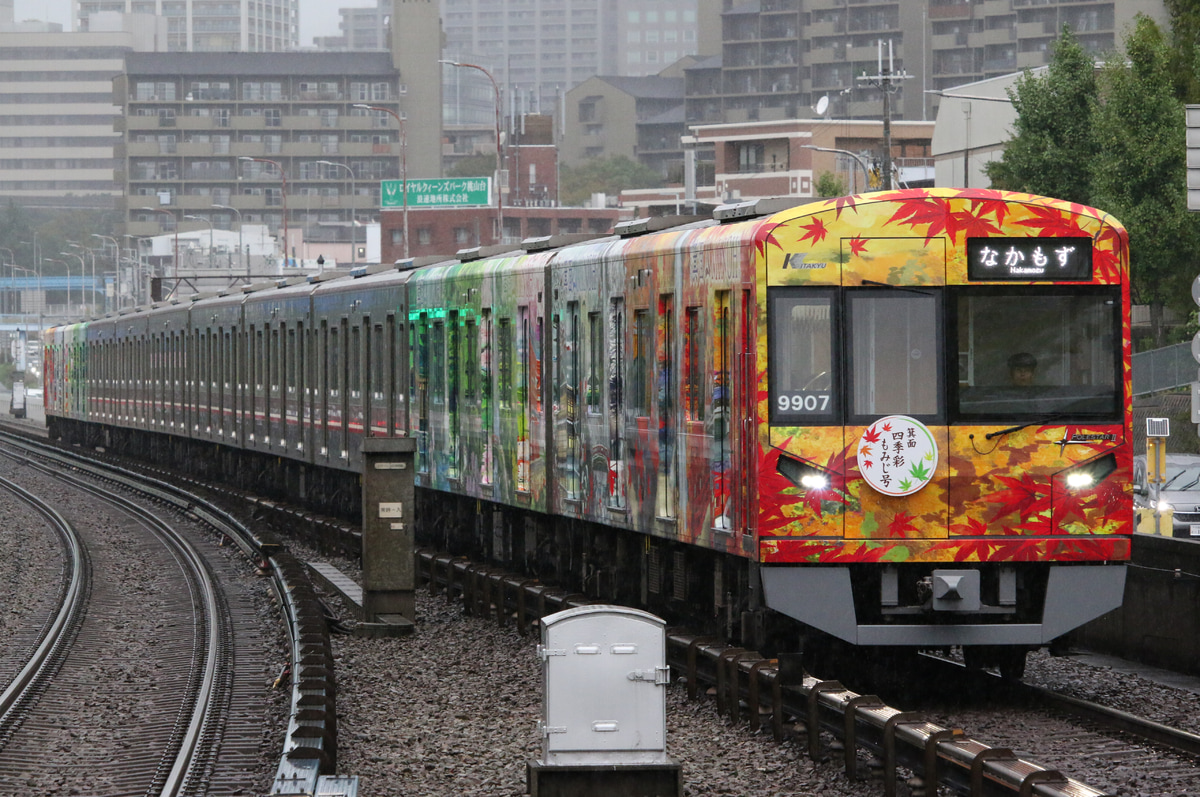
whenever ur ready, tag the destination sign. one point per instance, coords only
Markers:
(1025, 259)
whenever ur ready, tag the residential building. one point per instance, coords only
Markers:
(536, 50)
(56, 125)
(210, 25)
(653, 34)
(779, 58)
(755, 160)
(276, 138)
(641, 118)
(361, 29)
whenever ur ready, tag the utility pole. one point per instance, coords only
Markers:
(885, 81)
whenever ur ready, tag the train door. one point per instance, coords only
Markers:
(375, 400)
(567, 369)
(291, 418)
(722, 413)
(524, 386)
(341, 377)
(421, 390)
(397, 423)
(438, 420)
(743, 412)
(321, 387)
(487, 410)
(453, 352)
(618, 497)
(666, 494)
(354, 377)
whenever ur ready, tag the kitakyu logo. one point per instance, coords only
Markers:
(796, 260)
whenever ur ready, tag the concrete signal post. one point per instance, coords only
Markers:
(388, 509)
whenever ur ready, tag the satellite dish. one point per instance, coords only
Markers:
(822, 105)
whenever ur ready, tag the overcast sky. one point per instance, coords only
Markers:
(317, 17)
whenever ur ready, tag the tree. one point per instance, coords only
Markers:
(830, 184)
(1139, 170)
(1052, 143)
(1185, 48)
(473, 166)
(604, 175)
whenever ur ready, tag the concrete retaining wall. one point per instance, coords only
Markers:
(1159, 623)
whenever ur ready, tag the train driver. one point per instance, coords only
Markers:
(1022, 368)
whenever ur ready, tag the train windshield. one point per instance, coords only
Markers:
(1031, 353)
(1003, 354)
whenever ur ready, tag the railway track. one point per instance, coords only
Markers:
(99, 648)
(898, 746)
(220, 742)
(892, 744)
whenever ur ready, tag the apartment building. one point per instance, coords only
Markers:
(210, 25)
(56, 122)
(780, 58)
(640, 118)
(361, 28)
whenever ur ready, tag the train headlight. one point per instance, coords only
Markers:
(802, 474)
(1089, 474)
(814, 481)
(1080, 481)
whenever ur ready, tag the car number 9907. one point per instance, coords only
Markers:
(803, 402)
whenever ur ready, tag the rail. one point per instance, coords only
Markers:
(900, 739)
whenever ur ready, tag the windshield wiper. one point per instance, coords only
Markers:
(1039, 422)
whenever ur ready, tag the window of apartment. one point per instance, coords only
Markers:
(211, 90)
(381, 91)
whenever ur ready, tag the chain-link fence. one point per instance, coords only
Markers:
(1163, 369)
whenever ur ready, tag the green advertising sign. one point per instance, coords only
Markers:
(447, 192)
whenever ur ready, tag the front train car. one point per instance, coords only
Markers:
(944, 419)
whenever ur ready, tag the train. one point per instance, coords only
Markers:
(894, 420)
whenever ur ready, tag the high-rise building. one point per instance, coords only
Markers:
(361, 29)
(536, 50)
(56, 124)
(263, 26)
(278, 139)
(779, 58)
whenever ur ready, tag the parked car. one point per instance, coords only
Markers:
(1179, 491)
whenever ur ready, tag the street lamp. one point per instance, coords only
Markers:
(210, 236)
(403, 163)
(175, 262)
(82, 268)
(283, 194)
(499, 144)
(67, 266)
(116, 263)
(241, 252)
(92, 253)
(37, 264)
(353, 215)
(857, 157)
(12, 264)
(137, 272)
